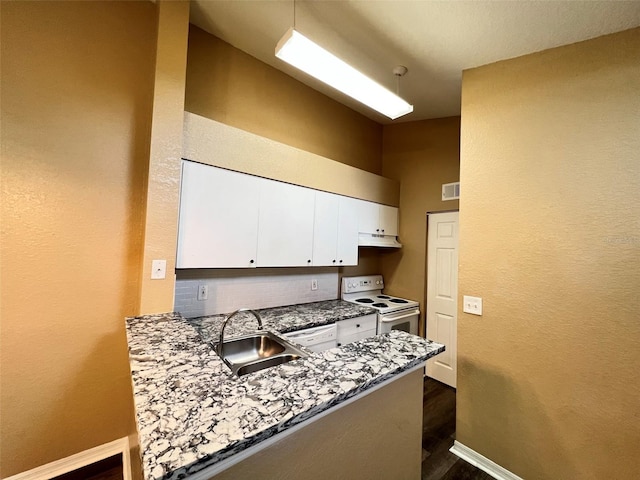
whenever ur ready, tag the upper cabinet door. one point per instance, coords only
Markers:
(388, 220)
(377, 219)
(218, 225)
(347, 250)
(285, 225)
(325, 230)
(368, 217)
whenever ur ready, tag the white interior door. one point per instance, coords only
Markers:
(442, 294)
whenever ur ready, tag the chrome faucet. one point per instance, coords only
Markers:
(229, 317)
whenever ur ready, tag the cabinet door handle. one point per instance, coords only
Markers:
(339, 344)
(340, 261)
(383, 230)
(308, 261)
(335, 261)
(357, 325)
(250, 261)
(377, 229)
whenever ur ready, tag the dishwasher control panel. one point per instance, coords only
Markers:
(316, 339)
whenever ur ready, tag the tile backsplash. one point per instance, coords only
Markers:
(230, 289)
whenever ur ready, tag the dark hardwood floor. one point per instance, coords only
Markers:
(107, 469)
(438, 433)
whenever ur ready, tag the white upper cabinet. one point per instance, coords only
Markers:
(325, 230)
(218, 225)
(377, 219)
(285, 225)
(388, 220)
(347, 249)
(335, 230)
(368, 217)
(234, 220)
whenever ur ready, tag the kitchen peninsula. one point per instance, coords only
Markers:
(353, 410)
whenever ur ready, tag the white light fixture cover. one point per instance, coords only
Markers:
(297, 50)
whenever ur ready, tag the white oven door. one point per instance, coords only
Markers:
(405, 320)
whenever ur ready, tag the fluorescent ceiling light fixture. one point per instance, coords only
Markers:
(297, 50)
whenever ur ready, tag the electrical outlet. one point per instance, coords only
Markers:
(203, 292)
(472, 305)
(314, 284)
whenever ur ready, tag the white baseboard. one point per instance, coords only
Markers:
(482, 462)
(79, 460)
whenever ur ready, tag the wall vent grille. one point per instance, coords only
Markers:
(451, 191)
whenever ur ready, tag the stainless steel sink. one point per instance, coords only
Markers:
(260, 350)
(266, 363)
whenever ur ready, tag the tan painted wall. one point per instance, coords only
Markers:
(216, 143)
(163, 179)
(421, 156)
(77, 82)
(377, 437)
(548, 382)
(227, 85)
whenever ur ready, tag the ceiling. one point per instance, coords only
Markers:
(435, 40)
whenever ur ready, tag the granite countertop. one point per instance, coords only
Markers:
(192, 413)
(281, 319)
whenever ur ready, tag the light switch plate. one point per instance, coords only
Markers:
(472, 305)
(158, 269)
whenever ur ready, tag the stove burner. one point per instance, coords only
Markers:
(384, 297)
(398, 300)
(364, 300)
(380, 305)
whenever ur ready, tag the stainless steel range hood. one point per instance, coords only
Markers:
(373, 240)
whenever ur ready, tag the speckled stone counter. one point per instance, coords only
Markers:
(191, 413)
(282, 319)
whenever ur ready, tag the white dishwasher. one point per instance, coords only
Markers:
(316, 339)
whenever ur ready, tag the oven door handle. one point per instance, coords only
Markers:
(392, 317)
